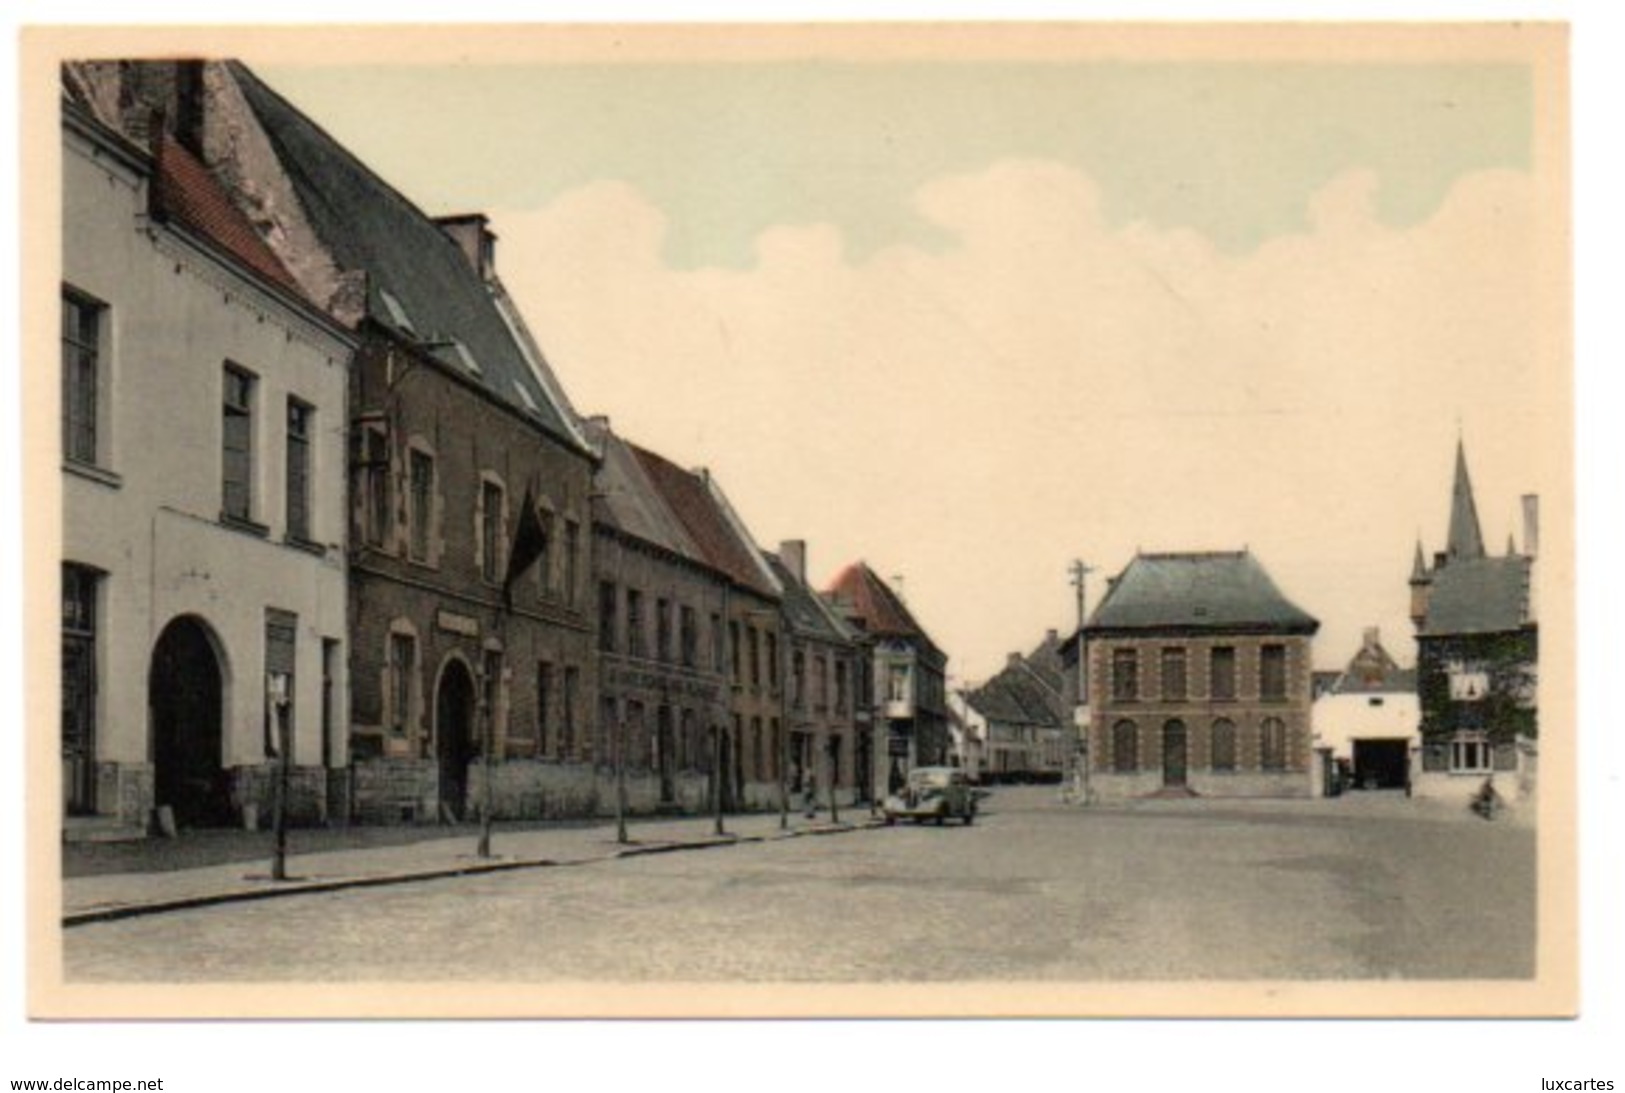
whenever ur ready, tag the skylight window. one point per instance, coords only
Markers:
(397, 313)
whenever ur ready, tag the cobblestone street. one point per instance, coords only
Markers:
(1366, 886)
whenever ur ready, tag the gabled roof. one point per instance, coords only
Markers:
(1016, 696)
(189, 196)
(1045, 662)
(809, 616)
(419, 283)
(633, 505)
(1479, 596)
(700, 508)
(1372, 671)
(874, 606)
(1218, 590)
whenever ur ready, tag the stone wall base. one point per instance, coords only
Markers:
(1114, 786)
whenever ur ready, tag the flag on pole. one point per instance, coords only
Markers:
(529, 541)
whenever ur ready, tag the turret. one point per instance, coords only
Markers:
(1421, 588)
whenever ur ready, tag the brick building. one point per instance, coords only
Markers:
(203, 523)
(749, 745)
(660, 607)
(908, 679)
(823, 696)
(1199, 681)
(1477, 651)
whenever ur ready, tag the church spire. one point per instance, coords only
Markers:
(1466, 540)
(1419, 568)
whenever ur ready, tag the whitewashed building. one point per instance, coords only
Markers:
(203, 511)
(1366, 723)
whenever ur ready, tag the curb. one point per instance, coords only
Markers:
(115, 912)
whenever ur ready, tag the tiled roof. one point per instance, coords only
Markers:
(877, 609)
(190, 196)
(1200, 591)
(633, 505)
(1479, 596)
(701, 514)
(419, 283)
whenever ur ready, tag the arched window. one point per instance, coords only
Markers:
(1125, 747)
(1224, 744)
(1272, 744)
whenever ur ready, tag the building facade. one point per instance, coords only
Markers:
(821, 686)
(1023, 718)
(1366, 721)
(203, 579)
(663, 689)
(1199, 681)
(750, 747)
(1477, 654)
(908, 675)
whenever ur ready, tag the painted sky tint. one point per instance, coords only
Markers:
(1233, 151)
(971, 321)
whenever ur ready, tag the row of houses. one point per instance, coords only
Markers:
(1196, 678)
(327, 508)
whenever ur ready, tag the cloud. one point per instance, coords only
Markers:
(1045, 385)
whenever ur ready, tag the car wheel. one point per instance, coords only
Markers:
(970, 818)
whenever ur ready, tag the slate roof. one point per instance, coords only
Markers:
(190, 197)
(1016, 696)
(877, 609)
(1219, 590)
(700, 509)
(1045, 662)
(419, 284)
(809, 616)
(1479, 596)
(1465, 539)
(631, 502)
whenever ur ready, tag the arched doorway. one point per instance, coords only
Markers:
(454, 734)
(185, 703)
(1173, 753)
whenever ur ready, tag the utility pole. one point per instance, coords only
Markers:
(1080, 572)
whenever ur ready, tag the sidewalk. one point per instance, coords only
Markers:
(122, 895)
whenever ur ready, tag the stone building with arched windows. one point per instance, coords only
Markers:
(1199, 681)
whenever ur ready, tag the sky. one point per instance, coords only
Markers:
(972, 320)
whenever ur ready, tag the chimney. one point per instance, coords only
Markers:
(1052, 635)
(1531, 524)
(793, 553)
(1372, 639)
(473, 236)
(1013, 661)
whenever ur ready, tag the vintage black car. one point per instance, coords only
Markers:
(934, 793)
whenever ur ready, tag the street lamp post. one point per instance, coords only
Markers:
(834, 776)
(716, 777)
(620, 779)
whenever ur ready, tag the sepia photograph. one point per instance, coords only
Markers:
(959, 520)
